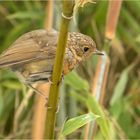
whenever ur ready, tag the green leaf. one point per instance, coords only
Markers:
(1, 105)
(78, 96)
(127, 38)
(120, 87)
(117, 108)
(7, 74)
(76, 82)
(25, 15)
(77, 122)
(127, 16)
(103, 121)
(11, 84)
(16, 32)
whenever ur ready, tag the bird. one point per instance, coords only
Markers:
(32, 55)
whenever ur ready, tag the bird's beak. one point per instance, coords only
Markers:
(98, 52)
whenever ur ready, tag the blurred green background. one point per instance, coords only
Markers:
(122, 95)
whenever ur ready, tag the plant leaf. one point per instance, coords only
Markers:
(76, 82)
(12, 84)
(103, 121)
(24, 15)
(77, 122)
(120, 87)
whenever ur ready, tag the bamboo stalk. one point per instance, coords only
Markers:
(49, 15)
(98, 90)
(112, 18)
(100, 79)
(111, 22)
(40, 113)
(57, 70)
(102, 71)
(100, 83)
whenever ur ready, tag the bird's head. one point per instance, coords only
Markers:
(83, 45)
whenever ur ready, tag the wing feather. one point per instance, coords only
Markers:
(27, 48)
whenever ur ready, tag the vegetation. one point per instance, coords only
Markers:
(119, 111)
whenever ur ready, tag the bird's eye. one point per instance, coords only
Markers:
(86, 49)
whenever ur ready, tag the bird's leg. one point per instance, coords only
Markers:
(37, 91)
(62, 79)
(50, 82)
(28, 84)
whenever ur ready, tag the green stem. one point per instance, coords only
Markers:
(57, 70)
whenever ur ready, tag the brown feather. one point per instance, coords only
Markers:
(29, 47)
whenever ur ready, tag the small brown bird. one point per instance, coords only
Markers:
(32, 55)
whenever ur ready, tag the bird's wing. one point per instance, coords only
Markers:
(35, 45)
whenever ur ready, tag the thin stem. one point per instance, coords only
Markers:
(49, 15)
(57, 70)
(112, 18)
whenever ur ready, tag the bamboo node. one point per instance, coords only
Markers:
(66, 17)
